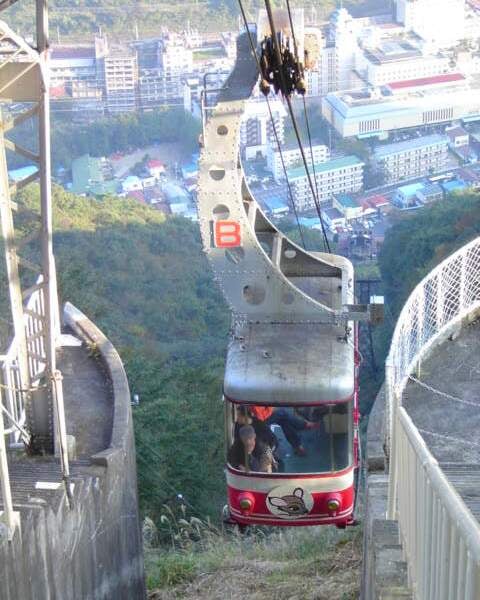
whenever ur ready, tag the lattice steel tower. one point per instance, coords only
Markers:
(32, 385)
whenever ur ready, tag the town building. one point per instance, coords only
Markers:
(379, 203)
(92, 177)
(438, 22)
(117, 72)
(72, 63)
(411, 158)
(292, 157)
(398, 59)
(256, 129)
(455, 185)
(175, 62)
(457, 136)
(333, 218)
(406, 195)
(335, 176)
(132, 184)
(156, 168)
(430, 192)
(403, 104)
(275, 206)
(345, 204)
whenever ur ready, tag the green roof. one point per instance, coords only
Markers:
(346, 201)
(87, 177)
(329, 165)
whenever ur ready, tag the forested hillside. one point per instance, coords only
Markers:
(74, 18)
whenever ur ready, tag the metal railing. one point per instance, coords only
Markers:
(440, 537)
(13, 390)
(13, 394)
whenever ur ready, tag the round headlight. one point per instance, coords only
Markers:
(333, 504)
(246, 503)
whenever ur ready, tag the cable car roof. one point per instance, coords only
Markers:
(289, 364)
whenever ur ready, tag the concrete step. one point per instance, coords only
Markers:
(390, 570)
(465, 478)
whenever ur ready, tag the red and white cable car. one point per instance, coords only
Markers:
(293, 338)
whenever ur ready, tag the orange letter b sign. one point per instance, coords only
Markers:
(227, 234)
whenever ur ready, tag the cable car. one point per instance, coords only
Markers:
(290, 370)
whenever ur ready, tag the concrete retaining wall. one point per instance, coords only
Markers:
(94, 551)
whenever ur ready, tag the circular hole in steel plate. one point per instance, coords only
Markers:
(222, 130)
(217, 173)
(221, 212)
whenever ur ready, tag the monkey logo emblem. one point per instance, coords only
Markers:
(289, 505)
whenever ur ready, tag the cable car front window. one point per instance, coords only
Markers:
(269, 439)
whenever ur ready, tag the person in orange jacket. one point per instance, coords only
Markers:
(290, 423)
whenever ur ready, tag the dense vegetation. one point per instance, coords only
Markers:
(121, 17)
(113, 134)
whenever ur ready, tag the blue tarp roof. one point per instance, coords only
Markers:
(19, 174)
(454, 186)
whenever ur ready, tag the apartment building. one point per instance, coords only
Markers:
(292, 158)
(69, 63)
(117, 75)
(175, 62)
(411, 158)
(256, 129)
(336, 176)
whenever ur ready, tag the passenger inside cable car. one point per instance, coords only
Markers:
(248, 453)
(316, 439)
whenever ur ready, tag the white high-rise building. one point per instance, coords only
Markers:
(256, 130)
(175, 62)
(344, 33)
(439, 22)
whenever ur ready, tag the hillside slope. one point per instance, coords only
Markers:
(294, 564)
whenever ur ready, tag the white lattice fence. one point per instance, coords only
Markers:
(429, 511)
(13, 389)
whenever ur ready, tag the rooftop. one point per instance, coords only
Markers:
(411, 189)
(456, 131)
(88, 178)
(19, 174)
(346, 201)
(431, 189)
(454, 186)
(72, 52)
(426, 81)
(406, 145)
(392, 50)
(330, 165)
(377, 201)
